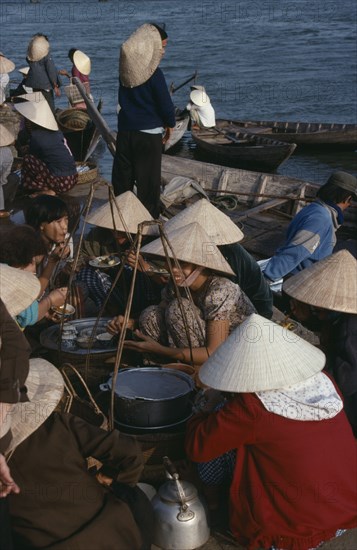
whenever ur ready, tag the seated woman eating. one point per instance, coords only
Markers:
(49, 166)
(115, 225)
(21, 248)
(181, 329)
(49, 217)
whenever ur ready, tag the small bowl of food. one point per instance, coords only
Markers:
(104, 339)
(58, 312)
(85, 341)
(104, 262)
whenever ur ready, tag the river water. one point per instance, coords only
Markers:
(258, 59)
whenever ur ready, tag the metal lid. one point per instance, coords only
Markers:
(152, 383)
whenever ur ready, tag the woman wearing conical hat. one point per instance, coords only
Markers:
(43, 74)
(49, 166)
(146, 116)
(278, 446)
(115, 228)
(327, 291)
(81, 68)
(179, 329)
(225, 234)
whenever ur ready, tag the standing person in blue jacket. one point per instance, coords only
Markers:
(43, 74)
(146, 116)
(311, 234)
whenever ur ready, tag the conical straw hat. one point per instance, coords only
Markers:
(329, 284)
(38, 48)
(132, 211)
(7, 135)
(6, 66)
(260, 355)
(38, 112)
(218, 226)
(44, 389)
(82, 62)
(191, 244)
(199, 98)
(140, 56)
(18, 288)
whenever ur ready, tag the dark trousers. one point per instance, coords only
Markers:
(137, 162)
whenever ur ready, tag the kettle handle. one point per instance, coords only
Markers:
(185, 513)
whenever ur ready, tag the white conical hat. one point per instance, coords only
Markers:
(260, 355)
(191, 244)
(7, 135)
(38, 48)
(329, 284)
(218, 226)
(18, 288)
(82, 62)
(199, 98)
(44, 389)
(6, 66)
(38, 112)
(132, 212)
(140, 56)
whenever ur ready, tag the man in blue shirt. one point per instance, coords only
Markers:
(311, 234)
(146, 112)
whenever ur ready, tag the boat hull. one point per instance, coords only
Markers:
(305, 134)
(242, 150)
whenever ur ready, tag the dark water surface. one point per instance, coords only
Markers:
(287, 60)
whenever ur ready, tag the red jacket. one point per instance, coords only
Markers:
(294, 482)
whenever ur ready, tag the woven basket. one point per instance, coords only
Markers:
(90, 175)
(74, 120)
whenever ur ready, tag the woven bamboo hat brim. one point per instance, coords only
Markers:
(329, 284)
(38, 48)
(18, 288)
(7, 135)
(44, 389)
(6, 66)
(218, 226)
(132, 211)
(260, 355)
(191, 244)
(199, 98)
(38, 112)
(140, 56)
(82, 62)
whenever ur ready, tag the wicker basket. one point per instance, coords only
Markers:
(74, 120)
(90, 175)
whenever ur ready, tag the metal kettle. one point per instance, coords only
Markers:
(180, 517)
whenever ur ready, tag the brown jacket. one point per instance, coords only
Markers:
(61, 506)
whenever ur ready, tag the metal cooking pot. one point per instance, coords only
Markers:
(151, 396)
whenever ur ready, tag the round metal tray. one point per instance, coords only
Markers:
(49, 336)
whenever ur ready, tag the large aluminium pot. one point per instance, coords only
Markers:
(151, 396)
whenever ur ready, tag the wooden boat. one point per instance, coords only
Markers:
(179, 130)
(304, 134)
(266, 202)
(229, 145)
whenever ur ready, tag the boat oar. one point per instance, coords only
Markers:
(174, 89)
